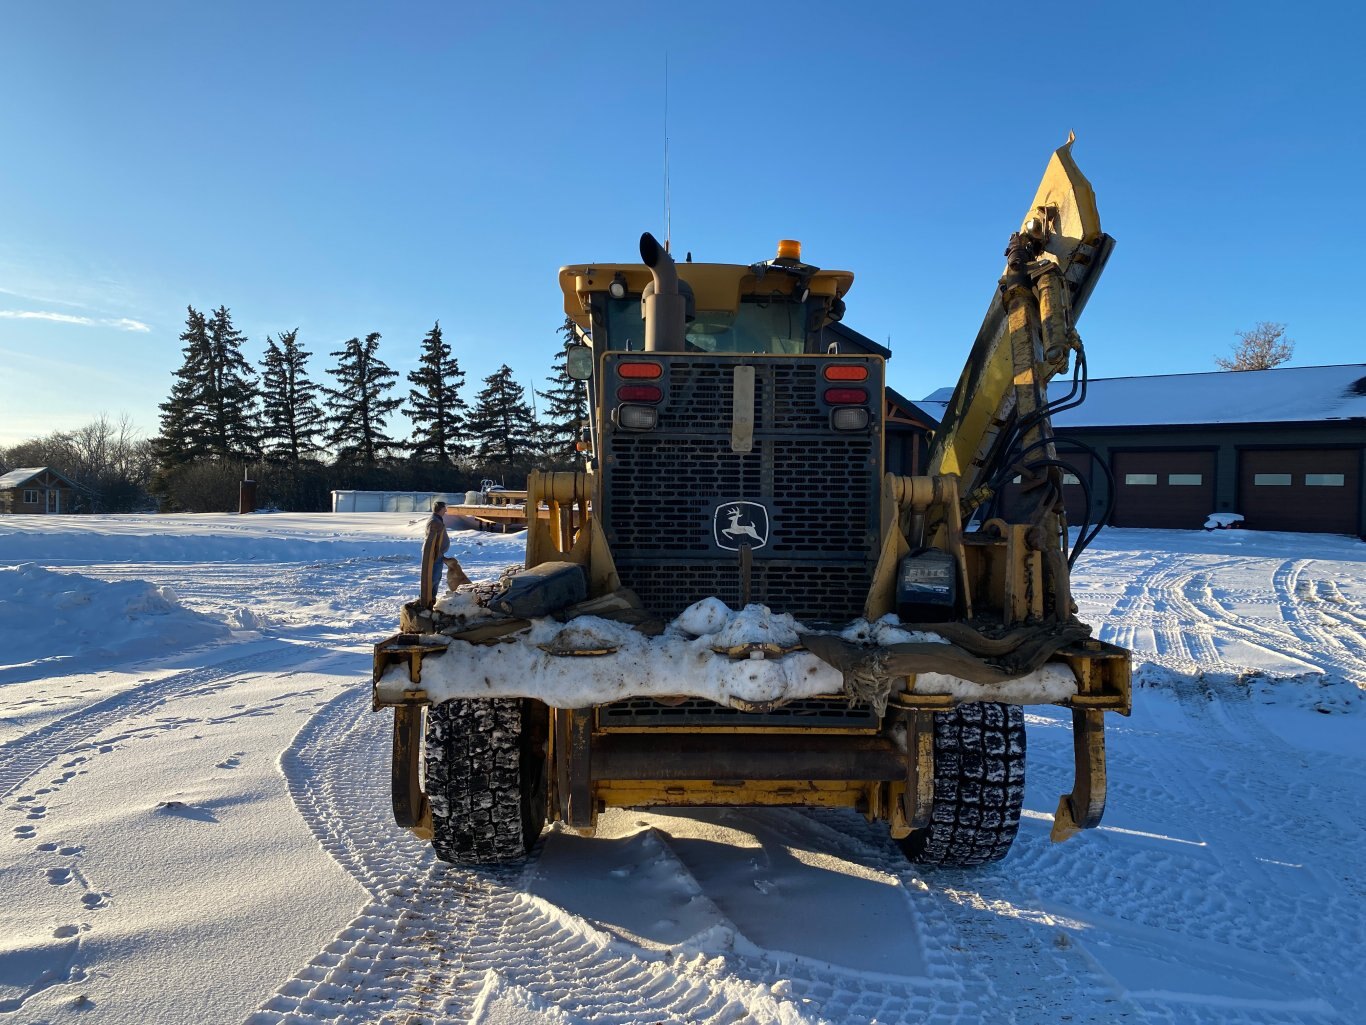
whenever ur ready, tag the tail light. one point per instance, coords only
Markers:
(640, 371)
(846, 396)
(639, 393)
(846, 372)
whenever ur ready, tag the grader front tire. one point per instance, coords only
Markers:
(979, 774)
(486, 779)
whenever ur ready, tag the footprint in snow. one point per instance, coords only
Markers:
(232, 761)
(66, 850)
(65, 932)
(97, 899)
(185, 811)
(59, 876)
(25, 832)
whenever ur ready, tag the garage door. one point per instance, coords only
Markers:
(1163, 489)
(1301, 489)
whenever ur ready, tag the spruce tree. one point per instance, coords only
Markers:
(184, 415)
(434, 403)
(501, 425)
(232, 392)
(291, 420)
(358, 405)
(566, 406)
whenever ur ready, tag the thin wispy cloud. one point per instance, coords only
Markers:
(125, 324)
(60, 318)
(118, 323)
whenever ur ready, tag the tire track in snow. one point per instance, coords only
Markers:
(1230, 714)
(1338, 632)
(432, 932)
(25, 756)
(426, 942)
(1276, 896)
(1145, 609)
(1191, 889)
(424, 946)
(1177, 605)
(422, 949)
(1339, 604)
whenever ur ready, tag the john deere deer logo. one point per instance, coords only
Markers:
(741, 523)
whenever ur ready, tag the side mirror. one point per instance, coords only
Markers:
(578, 362)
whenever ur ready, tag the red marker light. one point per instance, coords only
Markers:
(846, 372)
(845, 396)
(645, 371)
(639, 393)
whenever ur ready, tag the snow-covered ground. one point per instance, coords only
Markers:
(195, 823)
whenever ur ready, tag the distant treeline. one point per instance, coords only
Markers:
(301, 438)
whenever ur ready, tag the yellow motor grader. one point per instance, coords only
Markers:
(734, 604)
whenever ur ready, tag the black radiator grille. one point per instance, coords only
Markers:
(829, 495)
(810, 591)
(663, 490)
(820, 713)
(796, 390)
(663, 493)
(820, 487)
(700, 396)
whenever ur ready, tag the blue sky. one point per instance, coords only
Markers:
(348, 168)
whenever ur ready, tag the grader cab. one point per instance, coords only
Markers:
(734, 603)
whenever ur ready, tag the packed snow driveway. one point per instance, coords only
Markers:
(196, 828)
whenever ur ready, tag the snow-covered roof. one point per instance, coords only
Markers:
(1282, 395)
(16, 477)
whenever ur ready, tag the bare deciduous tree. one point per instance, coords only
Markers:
(1263, 347)
(107, 457)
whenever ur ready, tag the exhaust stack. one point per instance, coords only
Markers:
(663, 304)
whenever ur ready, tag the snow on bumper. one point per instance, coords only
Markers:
(683, 661)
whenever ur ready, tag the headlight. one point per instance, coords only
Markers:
(849, 418)
(637, 418)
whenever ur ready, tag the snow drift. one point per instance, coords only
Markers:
(48, 617)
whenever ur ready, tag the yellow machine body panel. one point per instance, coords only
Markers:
(717, 287)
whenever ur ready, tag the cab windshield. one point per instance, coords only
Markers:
(772, 325)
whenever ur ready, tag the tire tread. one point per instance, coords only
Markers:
(979, 756)
(475, 765)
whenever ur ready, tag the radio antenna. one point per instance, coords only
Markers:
(668, 205)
